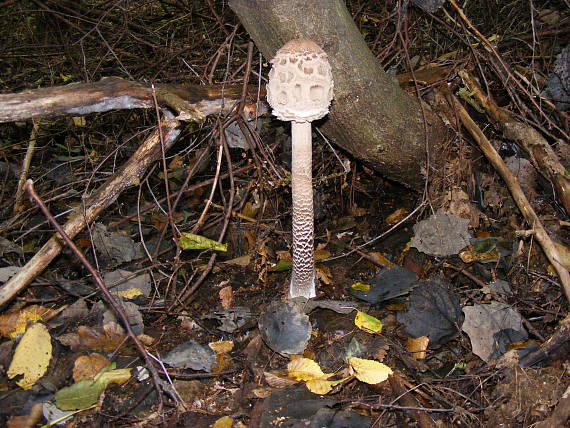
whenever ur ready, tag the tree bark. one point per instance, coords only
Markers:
(371, 117)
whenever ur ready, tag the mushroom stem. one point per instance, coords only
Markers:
(303, 278)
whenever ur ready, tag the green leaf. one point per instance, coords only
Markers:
(85, 393)
(367, 323)
(189, 241)
(282, 265)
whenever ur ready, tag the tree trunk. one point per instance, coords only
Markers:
(371, 117)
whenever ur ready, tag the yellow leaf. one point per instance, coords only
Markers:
(32, 356)
(131, 293)
(322, 386)
(306, 369)
(367, 323)
(223, 422)
(16, 324)
(79, 121)
(359, 286)
(369, 371)
(221, 347)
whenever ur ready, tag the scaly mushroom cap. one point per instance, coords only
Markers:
(300, 84)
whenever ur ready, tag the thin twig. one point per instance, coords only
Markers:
(29, 187)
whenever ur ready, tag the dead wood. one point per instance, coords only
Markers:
(541, 153)
(556, 347)
(195, 102)
(129, 175)
(517, 193)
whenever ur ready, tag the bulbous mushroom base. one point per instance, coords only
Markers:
(302, 288)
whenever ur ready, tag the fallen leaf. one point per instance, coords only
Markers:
(367, 323)
(88, 366)
(369, 371)
(381, 258)
(324, 274)
(322, 386)
(85, 393)
(32, 356)
(226, 296)
(221, 347)
(190, 241)
(223, 422)
(14, 323)
(396, 216)
(306, 369)
(27, 421)
(359, 286)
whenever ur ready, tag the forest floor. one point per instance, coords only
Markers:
(427, 304)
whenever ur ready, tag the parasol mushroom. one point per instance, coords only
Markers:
(300, 90)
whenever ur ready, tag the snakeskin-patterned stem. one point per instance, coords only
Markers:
(303, 277)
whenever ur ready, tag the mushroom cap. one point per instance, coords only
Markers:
(300, 84)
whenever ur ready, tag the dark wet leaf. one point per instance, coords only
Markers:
(285, 328)
(433, 311)
(114, 246)
(292, 406)
(390, 283)
(191, 355)
(231, 319)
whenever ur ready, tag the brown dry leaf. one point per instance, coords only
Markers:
(278, 379)
(27, 421)
(176, 162)
(8, 323)
(283, 255)
(88, 366)
(250, 210)
(381, 258)
(261, 392)
(380, 353)
(242, 261)
(226, 297)
(322, 254)
(418, 347)
(106, 338)
(15, 323)
(224, 362)
(396, 216)
(324, 274)
(469, 255)
(459, 203)
(251, 239)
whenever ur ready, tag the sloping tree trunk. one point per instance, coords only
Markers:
(371, 117)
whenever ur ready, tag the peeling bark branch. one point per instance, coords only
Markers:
(113, 93)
